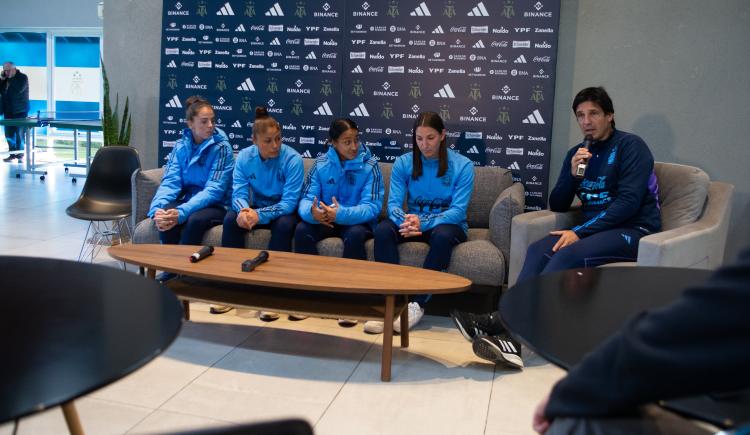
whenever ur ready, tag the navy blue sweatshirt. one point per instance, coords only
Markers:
(697, 345)
(618, 190)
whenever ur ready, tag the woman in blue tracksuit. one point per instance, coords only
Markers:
(266, 186)
(194, 190)
(265, 191)
(342, 196)
(436, 183)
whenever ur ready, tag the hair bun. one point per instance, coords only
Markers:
(195, 99)
(261, 112)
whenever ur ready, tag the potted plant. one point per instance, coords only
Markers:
(114, 132)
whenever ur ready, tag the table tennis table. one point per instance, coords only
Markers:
(29, 125)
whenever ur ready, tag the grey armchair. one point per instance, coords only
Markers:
(694, 214)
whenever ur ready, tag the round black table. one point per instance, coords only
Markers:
(561, 316)
(67, 329)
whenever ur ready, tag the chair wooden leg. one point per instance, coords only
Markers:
(405, 324)
(71, 418)
(186, 309)
(387, 358)
(151, 273)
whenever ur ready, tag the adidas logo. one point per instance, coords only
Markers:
(520, 59)
(324, 109)
(253, 177)
(275, 11)
(479, 11)
(438, 30)
(331, 181)
(225, 10)
(360, 110)
(247, 85)
(515, 166)
(420, 11)
(479, 44)
(472, 150)
(311, 55)
(357, 70)
(240, 28)
(307, 154)
(171, 64)
(445, 92)
(534, 118)
(237, 124)
(275, 41)
(174, 102)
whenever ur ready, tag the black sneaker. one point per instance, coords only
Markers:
(219, 309)
(476, 325)
(165, 276)
(10, 158)
(499, 349)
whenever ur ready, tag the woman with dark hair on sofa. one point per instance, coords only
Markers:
(341, 197)
(194, 190)
(436, 183)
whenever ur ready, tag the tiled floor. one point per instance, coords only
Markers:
(232, 369)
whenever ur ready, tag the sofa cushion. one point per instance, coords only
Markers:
(489, 182)
(682, 193)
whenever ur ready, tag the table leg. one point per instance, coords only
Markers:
(151, 273)
(186, 309)
(387, 358)
(71, 418)
(88, 151)
(405, 324)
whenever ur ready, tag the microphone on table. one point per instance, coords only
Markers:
(202, 253)
(581, 168)
(249, 265)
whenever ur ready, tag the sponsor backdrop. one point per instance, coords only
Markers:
(487, 67)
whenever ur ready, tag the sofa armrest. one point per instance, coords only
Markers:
(528, 228)
(144, 185)
(508, 204)
(697, 245)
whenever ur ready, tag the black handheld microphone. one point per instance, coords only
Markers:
(581, 168)
(201, 254)
(249, 265)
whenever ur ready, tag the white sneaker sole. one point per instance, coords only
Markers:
(489, 351)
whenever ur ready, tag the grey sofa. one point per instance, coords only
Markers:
(694, 216)
(483, 258)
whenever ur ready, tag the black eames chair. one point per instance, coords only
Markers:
(106, 199)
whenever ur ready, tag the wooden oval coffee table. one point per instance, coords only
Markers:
(297, 283)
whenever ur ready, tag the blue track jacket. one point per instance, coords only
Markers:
(357, 185)
(435, 200)
(618, 190)
(271, 187)
(199, 176)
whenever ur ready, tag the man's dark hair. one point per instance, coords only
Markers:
(597, 95)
